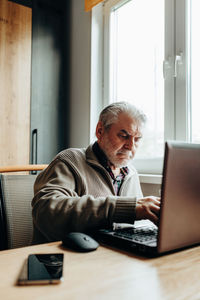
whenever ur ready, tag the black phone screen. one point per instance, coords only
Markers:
(42, 269)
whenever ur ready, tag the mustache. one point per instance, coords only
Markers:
(124, 152)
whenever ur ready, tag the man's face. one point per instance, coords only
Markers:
(120, 141)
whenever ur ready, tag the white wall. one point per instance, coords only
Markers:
(80, 44)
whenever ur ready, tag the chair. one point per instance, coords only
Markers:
(16, 193)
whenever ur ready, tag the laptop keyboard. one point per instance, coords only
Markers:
(140, 234)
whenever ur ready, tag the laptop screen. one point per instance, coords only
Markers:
(179, 224)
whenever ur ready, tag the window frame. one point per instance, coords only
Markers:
(177, 99)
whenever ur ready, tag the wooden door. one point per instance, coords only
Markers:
(15, 71)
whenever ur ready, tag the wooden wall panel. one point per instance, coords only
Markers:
(15, 73)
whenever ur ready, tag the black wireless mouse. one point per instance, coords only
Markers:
(80, 242)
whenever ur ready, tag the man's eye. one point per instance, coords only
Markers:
(124, 136)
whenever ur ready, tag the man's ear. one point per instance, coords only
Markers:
(99, 130)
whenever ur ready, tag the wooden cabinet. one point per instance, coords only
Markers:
(34, 80)
(15, 78)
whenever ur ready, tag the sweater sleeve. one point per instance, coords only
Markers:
(60, 204)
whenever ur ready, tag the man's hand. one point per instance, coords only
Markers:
(148, 208)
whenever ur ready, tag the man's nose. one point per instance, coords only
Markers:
(130, 143)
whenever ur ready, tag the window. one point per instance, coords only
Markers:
(134, 66)
(195, 67)
(150, 58)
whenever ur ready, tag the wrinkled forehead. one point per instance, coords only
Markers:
(127, 123)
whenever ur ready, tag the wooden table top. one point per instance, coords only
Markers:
(106, 274)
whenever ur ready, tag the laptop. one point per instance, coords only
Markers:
(179, 221)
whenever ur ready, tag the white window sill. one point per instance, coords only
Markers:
(150, 178)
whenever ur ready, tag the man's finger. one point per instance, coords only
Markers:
(155, 208)
(153, 218)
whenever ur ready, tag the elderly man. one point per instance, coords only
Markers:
(84, 189)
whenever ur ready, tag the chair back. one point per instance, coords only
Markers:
(16, 193)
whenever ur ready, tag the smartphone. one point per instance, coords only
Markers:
(42, 269)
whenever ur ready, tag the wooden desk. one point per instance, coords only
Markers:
(106, 274)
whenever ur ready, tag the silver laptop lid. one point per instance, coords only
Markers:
(180, 200)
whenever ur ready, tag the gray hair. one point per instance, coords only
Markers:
(110, 113)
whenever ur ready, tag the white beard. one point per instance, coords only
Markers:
(112, 157)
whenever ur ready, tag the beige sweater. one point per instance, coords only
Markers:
(75, 193)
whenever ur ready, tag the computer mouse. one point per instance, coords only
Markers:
(80, 242)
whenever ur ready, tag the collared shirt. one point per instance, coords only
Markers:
(118, 180)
